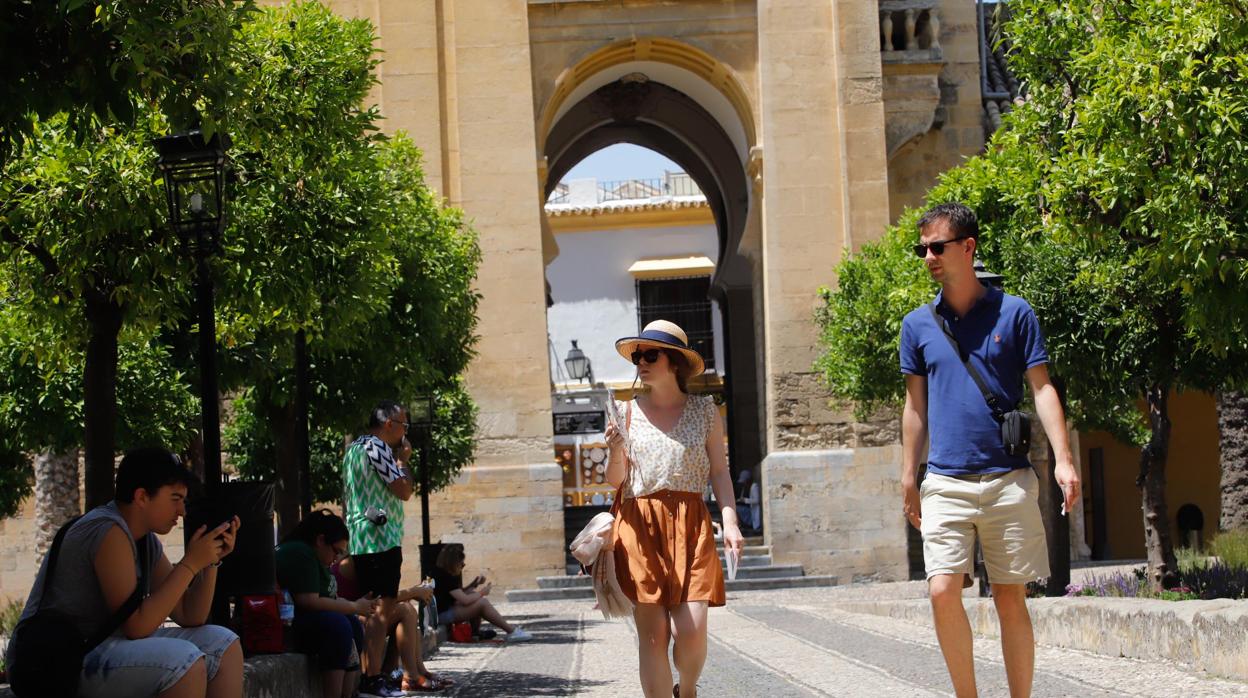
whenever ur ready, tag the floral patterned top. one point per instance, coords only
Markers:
(675, 460)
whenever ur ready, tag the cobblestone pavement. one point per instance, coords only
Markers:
(787, 643)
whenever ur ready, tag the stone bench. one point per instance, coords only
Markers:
(285, 675)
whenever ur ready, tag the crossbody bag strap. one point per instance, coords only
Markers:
(131, 604)
(628, 462)
(53, 553)
(994, 403)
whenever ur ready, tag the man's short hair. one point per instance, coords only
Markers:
(961, 219)
(386, 409)
(150, 469)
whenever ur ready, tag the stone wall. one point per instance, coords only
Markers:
(837, 512)
(947, 87)
(509, 518)
(806, 417)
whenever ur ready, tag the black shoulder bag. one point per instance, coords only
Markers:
(48, 648)
(1015, 424)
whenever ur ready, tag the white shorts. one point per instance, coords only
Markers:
(1002, 509)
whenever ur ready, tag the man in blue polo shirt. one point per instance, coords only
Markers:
(973, 486)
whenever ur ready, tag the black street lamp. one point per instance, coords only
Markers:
(420, 414)
(579, 365)
(194, 172)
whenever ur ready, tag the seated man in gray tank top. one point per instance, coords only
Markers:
(98, 569)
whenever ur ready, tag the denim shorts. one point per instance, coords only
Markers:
(446, 617)
(123, 668)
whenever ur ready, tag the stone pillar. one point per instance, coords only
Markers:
(825, 190)
(837, 511)
(456, 77)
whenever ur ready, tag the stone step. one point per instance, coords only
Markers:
(750, 542)
(586, 591)
(748, 551)
(556, 594)
(565, 582)
(767, 571)
(754, 571)
(748, 561)
(815, 580)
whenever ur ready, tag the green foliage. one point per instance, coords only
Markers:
(251, 445)
(337, 235)
(104, 61)
(1111, 200)
(860, 321)
(86, 218)
(1231, 547)
(1142, 109)
(9, 615)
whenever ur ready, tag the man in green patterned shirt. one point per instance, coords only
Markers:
(375, 486)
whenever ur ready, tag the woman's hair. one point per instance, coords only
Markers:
(681, 364)
(452, 555)
(322, 522)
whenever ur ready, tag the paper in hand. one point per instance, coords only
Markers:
(733, 558)
(613, 415)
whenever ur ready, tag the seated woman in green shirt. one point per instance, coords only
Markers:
(325, 626)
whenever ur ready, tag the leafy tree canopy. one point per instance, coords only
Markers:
(105, 59)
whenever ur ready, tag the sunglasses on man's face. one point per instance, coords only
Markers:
(650, 355)
(937, 248)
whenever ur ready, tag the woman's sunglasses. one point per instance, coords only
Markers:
(938, 248)
(650, 355)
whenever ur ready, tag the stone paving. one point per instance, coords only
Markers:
(788, 643)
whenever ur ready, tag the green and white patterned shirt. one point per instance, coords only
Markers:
(367, 468)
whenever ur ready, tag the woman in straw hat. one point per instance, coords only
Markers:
(665, 548)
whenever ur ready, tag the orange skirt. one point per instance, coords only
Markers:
(665, 550)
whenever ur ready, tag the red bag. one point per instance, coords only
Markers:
(461, 632)
(260, 626)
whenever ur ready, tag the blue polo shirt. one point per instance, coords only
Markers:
(1003, 337)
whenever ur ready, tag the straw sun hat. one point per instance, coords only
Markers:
(662, 334)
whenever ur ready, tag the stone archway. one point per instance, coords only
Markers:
(635, 109)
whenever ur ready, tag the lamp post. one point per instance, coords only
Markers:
(579, 365)
(420, 415)
(193, 169)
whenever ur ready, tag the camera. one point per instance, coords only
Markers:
(377, 516)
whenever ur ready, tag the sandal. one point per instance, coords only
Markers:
(425, 684)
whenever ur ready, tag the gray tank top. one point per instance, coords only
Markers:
(75, 588)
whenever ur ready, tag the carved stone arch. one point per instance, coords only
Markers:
(634, 109)
(669, 122)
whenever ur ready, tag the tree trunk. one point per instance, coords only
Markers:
(1233, 447)
(1162, 566)
(56, 495)
(286, 499)
(100, 396)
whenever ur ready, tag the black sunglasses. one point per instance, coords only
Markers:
(650, 355)
(938, 248)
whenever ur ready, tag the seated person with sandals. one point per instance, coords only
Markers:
(403, 636)
(458, 603)
(95, 576)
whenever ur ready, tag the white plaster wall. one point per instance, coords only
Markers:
(596, 298)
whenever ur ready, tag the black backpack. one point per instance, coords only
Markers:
(47, 649)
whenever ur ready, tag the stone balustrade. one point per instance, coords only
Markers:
(909, 30)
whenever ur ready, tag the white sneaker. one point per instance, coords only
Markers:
(519, 635)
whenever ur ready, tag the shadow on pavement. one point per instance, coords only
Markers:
(515, 683)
